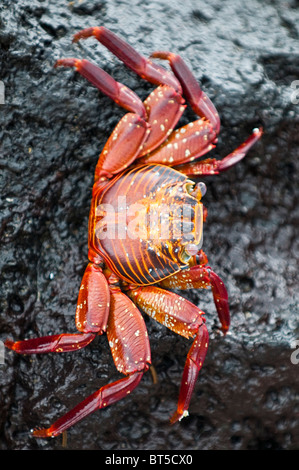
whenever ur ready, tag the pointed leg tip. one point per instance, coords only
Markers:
(258, 131)
(174, 418)
(41, 433)
(67, 62)
(75, 38)
(164, 55)
(58, 63)
(178, 416)
(84, 34)
(224, 330)
(10, 344)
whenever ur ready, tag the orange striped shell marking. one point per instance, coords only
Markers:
(142, 221)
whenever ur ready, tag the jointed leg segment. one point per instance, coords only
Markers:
(127, 338)
(64, 342)
(158, 115)
(211, 166)
(201, 277)
(105, 396)
(193, 364)
(199, 101)
(91, 319)
(145, 68)
(118, 92)
(185, 319)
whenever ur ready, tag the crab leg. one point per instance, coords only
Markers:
(164, 107)
(184, 144)
(105, 396)
(54, 343)
(199, 101)
(118, 92)
(134, 137)
(130, 349)
(185, 319)
(91, 319)
(211, 166)
(148, 70)
(154, 73)
(201, 277)
(122, 147)
(141, 130)
(191, 142)
(194, 362)
(180, 147)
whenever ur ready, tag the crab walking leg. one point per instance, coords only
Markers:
(130, 349)
(91, 319)
(156, 74)
(194, 362)
(184, 144)
(164, 107)
(211, 166)
(185, 319)
(54, 343)
(199, 101)
(140, 131)
(144, 67)
(202, 277)
(103, 397)
(122, 95)
(122, 147)
(133, 137)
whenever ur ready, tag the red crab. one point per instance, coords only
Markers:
(143, 170)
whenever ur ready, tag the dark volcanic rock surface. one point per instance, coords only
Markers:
(53, 125)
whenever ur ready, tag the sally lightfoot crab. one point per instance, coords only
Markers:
(145, 227)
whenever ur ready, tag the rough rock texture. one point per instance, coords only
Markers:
(53, 125)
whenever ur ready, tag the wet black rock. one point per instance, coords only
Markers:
(53, 125)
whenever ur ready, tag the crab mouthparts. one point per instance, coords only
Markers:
(198, 192)
(192, 248)
(193, 241)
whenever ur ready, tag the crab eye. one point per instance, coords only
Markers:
(202, 187)
(199, 190)
(191, 249)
